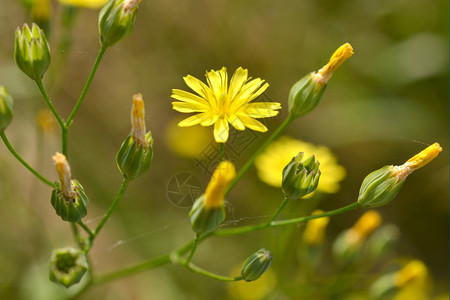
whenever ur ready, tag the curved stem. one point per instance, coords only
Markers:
(247, 165)
(277, 212)
(86, 86)
(23, 162)
(49, 103)
(86, 228)
(77, 235)
(206, 273)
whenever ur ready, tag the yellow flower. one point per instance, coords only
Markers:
(337, 59)
(364, 227)
(314, 233)
(218, 104)
(271, 162)
(84, 3)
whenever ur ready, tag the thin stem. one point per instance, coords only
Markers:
(194, 247)
(111, 208)
(245, 229)
(49, 103)
(86, 228)
(221, 146)
(86, 86)
(277, 212)
(247, 165)
(307, 218)
(23, 162)
(76, 234)
(206, 273)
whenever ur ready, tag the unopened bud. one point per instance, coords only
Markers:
(6, 108)
(300, 176)
(306, 93)
(116, 20)
(135, 155)
(67, 266)
(31, 51)
(208, 211)
(255, 265)
(382, 185)
(68, 198)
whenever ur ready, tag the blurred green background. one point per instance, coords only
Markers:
(387, 103)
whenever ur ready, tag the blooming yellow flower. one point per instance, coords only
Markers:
(271, 162)
(84, 3)
(218, 104)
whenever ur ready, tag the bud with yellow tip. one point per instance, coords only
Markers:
(382, 185)
(208, 211)
(306, 93)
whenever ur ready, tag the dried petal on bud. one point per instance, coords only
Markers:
(418, 161)
(136, 153)
(6, 108)
(31, 51)
(67, 266)
(116, 20)
(300, 176)
(68, 198)
(220, 180)
(256, 265)
(414, 270)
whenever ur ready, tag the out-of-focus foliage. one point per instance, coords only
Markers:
(387, 101)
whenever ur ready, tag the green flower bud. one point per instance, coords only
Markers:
(68, 198)
(382, 185)
(70, 209)
(204, 219)
(31, 51)
(6, 108)
(306, 93)
(135, 155)
(258, 263)
(300, 177)
(67, 266)
(116, 20)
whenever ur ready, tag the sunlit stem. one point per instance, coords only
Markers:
(49, 102)
(194, 247)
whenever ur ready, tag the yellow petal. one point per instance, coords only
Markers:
(188, 107)
(197, 86)
(236, 122)
(252, 123)
(188, 97)
(221, 130)
(218, 81)
(237, 81)
(192, 120)
(261, 109)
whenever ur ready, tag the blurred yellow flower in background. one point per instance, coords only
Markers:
(218, 104)
(175, 137)
(84, 3)
(253, 290)
(271, 162)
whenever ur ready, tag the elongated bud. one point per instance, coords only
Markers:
(348, 243)
(67, 266)
(208, 211)
(68, 198)
(6, 108)
(31, 51)
(300, 176)
(382, 185)
(256, 265)
(306, 93)
(116, 20)
(134, 157)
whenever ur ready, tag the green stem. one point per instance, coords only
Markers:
(86, 86)
(206, 273)
(49, 103)
(77, 235)
(277, 212)
(111, 208)
(194, 247)
(245, 229)
(247, 165)
(86, 228)
(23, 162)
(221, 145)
